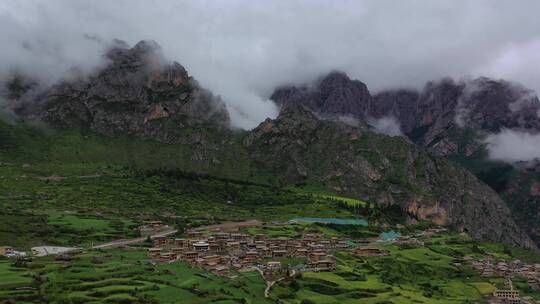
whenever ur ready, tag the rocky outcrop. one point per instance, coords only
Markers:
(300, 147)
(138, 93)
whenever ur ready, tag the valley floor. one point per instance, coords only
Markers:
(93, 204)
(425, 273)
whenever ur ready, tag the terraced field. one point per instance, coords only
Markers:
(14, 281)
(410, 274)
(123, 277)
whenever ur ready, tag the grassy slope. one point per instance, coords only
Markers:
(82, 210)
(78, 151)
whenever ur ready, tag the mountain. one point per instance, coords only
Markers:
(141, 96)
(446, 118)
(138, 92)
(299, 146)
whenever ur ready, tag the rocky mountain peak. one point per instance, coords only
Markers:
(120, 51)
(335, 80)
(483, 104)
(139, 93)
(334, 94)
(146, 47)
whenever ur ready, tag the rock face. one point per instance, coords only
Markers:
(137, 93)
(298, 146)
(450, 118)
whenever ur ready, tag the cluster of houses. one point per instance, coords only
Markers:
(490, 267)
(9, 252)
(221, 252)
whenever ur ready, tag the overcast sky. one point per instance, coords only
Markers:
(242, 50)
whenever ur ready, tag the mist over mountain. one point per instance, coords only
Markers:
(269, 152)
(242, 50)
(504, 114)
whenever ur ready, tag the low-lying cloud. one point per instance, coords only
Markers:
(243, 49)
(349, 120)
(388, 125)
(513, 146)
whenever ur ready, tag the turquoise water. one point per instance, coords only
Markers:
(331, 220)
(389, 235)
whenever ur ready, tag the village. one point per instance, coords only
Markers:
(227, 250)
(223, 253)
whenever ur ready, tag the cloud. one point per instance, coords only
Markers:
(386, 125)
(518, 61)
(349, 120)
(513, 146)
(243, 49)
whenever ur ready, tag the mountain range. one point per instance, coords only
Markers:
(323, 137)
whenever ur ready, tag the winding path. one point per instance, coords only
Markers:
(269, 284)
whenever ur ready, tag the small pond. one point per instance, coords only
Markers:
(389, 235)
